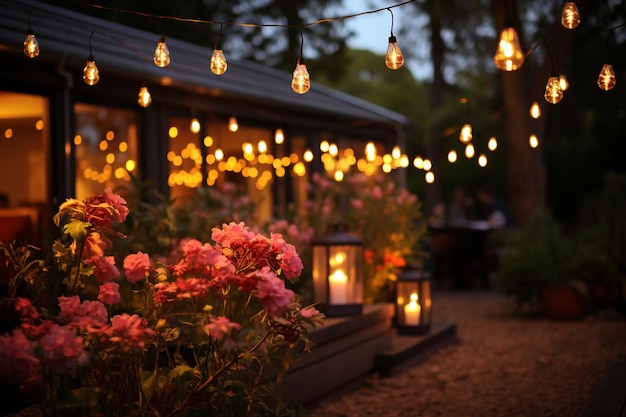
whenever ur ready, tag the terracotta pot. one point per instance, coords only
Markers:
(562, 302)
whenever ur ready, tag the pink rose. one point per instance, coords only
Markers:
(272, 293)
(109, 293)
(62, 349)
(104, 267)
(220, 327)
(136, 266)
(129, 332)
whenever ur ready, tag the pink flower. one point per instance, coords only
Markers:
(71, 309)
(109, 293)
(272, 293)
(104, 267)
(95, 245)
(309, 312)
(17, 357)
(356, 204)
(220, 327)
(290, 262)
(26, 310)
(231, 232)
(62, 349)
(377, 193)
(136, 266)
(129, 332)
(118, 203)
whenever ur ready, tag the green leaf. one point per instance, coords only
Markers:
(76, 229)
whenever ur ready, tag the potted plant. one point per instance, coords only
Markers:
(540, 264)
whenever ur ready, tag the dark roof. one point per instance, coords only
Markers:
(64, 34)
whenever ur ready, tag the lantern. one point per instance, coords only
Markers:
(413, 301)
(338, 272)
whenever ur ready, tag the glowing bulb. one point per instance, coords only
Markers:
(279, 136)
(194, 126)
(219, 154)
(553, 93)
(144, 98)
(492, 144)
(31, 46)
(465, 135)
(427, 165)
(563, 82)
(262, 146)
(396, 153)
(91, 75)
(161, 54)
(218, 61)
(333, 149)
(301, 82)
(232, 124)
(429, 177)
(308, 155)
(535, 110)
(469, 151)
(393, 58)
(509, 55)
(570, 18)
(452, 156)
(418, 162)
(533, 141)
(482, 160)
(606, 79)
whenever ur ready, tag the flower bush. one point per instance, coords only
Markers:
(209, 330)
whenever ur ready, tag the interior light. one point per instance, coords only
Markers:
(509, 55)
(161, 54)
(570, 18)
(606, 79)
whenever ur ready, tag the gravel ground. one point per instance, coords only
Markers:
(505, 365)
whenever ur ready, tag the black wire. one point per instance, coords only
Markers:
(301, 42)
(90, 54)
(29, 28)
(391, 20)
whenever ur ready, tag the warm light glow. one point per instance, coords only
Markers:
(333, 150)
(563, 82)
(31, 46)
(39, 124)
(338, 176)
(533, 141)
(427, 165)
(247, 148)
(553, 93)
(393, 58)
(130, 165)
(161, 54)
(465, 135)
(418, 162)
(194, 126)
(219, 154)
(144, 98)
(396, 153)
(8, 133)
(308, 155)
(301, 82)
(173, 132)
(91, 74)
(123, 146)
(482, 160)
(218, 61)
(279, 136)
(232, 124)
(509, 55)
(262, 146)
(103, 145)
(78, 140)
(324, 146)
(110, 135)
(370, 149)
(110, 158)
(535, 110)
(429, 177)
(606, 79)
(452, 156)
(570, 18)
(469, 151)
(208, 141)
(299, 169)
(492, 144)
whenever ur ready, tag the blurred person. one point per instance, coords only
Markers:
(493, 209)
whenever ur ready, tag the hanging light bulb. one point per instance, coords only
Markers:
(482, 160)
(91, 74)
(31, 46)
(161, 54)
(469, 150)
(232, 124)
(606, 79)
(563, 82)
(393, 57)
(509, 55)
(570, 18)
(535, 110)
(194, 126)
(452, 156)
(553, 93)
(301, 82)
(492, 144)
(279, 136)
(144, 98)
(465, 135)
(533, 141)
(218, 61)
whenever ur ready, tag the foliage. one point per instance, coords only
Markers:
(386, 217)
(538, 254)
(209, 330)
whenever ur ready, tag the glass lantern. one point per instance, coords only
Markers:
(413, 301)
(338, 272)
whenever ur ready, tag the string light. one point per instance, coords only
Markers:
(482, 160)
(452, 156)
(553, 93)
(606, 78)
(218, 60)
(570, 18)
(31, 46)
(469, 151)
(535, 110)
(144, 98)
(301, 82)
(563, 82)
(533, 141)
(279, 136)
(161, 54)
(194, 126)
(91, 74)
(509, 55)
(393, 57)
(465, 135)
(492, 144)
(232, 124)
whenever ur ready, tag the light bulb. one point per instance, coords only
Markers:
(161, 54)
(570, 18)
(563, 82)
(279, 136)
(144, 98)
(469, 150)
(533, 141)
(232, 124)
(606, 79)
(393, 58)
(466, 133)
(482, 160)
(553, 93)
(194, 126)
(218, 61)
(509, 55)
(31, 46)
(452, 156)
(91, 75)
(492, 144)
(535, 110)
(301, 82)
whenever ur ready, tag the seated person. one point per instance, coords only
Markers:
(493, 209)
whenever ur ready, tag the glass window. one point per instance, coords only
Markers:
(106, 148)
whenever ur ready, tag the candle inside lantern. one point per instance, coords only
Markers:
(412, 312)
(338, 282)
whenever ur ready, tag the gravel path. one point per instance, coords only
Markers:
(505, 365)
